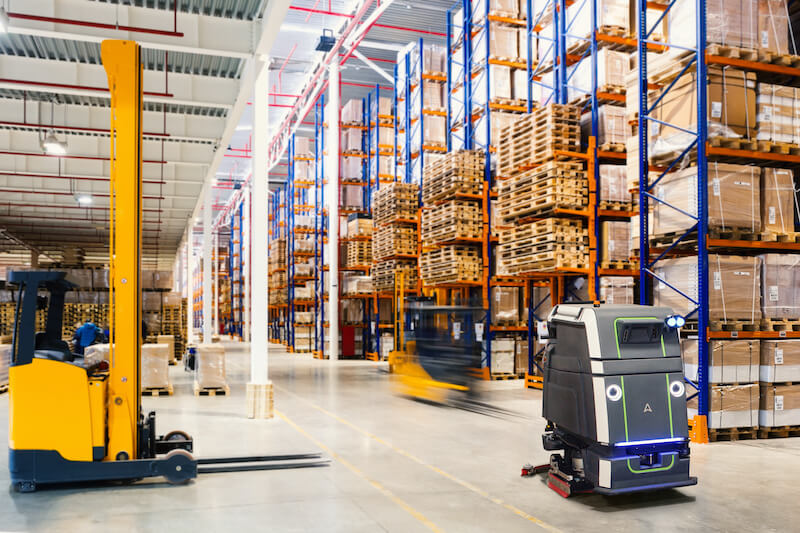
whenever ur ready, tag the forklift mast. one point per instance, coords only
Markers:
(121, 60)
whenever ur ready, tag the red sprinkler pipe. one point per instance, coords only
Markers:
(74, 87)
(66, 177)
(101, 25)
(67, 193)
(60, 206)
(70, 128)
(83, 157)
(347, 15)
(28, 216)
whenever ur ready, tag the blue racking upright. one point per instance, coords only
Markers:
(320, 230)
(277, 268)
(236, 271)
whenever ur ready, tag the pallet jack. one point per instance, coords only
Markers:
(614, 400)
(72, 420)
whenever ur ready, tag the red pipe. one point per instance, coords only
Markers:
(376, 59)
(285, 61)
(281, 95)
(67, 193)
(386, 26)
(60, 206)
(61, 226)
(101, 25)
(76, 87)
(84, 157)
(367, 85)
(64, 177)
(27, 216)
(71, 128)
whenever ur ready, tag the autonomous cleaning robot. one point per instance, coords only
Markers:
(614, 400)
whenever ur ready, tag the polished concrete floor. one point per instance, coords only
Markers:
(396, 465)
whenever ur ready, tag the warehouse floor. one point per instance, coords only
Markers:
(397, 465)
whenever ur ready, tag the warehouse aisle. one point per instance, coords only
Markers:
(398, 465)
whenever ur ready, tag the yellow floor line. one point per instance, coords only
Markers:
(451, 477)
(354, 469)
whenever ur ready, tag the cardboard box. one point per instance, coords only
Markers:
(780, 361)
(774, 27)
(612, 125)
(728, 361)
(351, 139)
(612, 68)
(614, 184)
(777, 200)
(731, 108)
(779, 405)
(503, 358)
(731, 406)
(210, 365)
(780, 288)
(734, 290)
(615, 241)
(503, 42)
(385, 105)
(433, 94)
(302, 146)
(351, 168)
(151, 301)
(618, 290)
(169, 340)
(155, 365)
(733, 198)
(352, 112)
(500, 77)
(505, 306)
(521, 355)
(731, 23)
(358, 226)
(778, 113)
(434, 130)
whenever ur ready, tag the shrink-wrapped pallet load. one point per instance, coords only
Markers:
(730, 406)
(734, 287)
(734, 361)
(505, 306)
(728, 23)
(779, 406)
(778, 203)
(5, 362)
(733, 199)
(774, 28)
(780, 361)
(210, 365)
(616, 241)
(503, 356)
(155, 366)
(780, 286)
(169, 340)
(617, 290)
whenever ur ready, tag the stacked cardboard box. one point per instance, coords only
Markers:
(615, 244)
(155, 366)
(777, 201)
(210, 367)
(614, 190)
(728, 23)
(618, 290)
(506, 306)
(729, 362)
(778, 113)
(734, 291)
(774, 29)
(503, 355)
(613, 129)
(730, 406)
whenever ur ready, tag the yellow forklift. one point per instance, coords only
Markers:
(71, 420)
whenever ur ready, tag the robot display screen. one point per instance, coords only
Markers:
(640, 333)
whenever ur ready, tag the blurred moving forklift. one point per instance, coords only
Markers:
(72, 419)
(436, 351)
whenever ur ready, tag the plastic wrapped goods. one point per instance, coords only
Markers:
(155, 365)
(733, 198)
(617, 290)
(728, 361)
(731, 406)
(5, 361)
(505, 306)
(210, 364)
(779, 406)
(777, 110)
(774, 27)
(614, 184)
(778, 203)
(780, 291)
(96, 353)
(780, 361)
(734, 286)
(730, 23)
(169, 340)
(616, 241)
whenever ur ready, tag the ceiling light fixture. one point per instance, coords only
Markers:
(52, 146)
(84, 199)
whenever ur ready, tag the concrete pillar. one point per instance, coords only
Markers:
(189, 287)
(207, 264)
(247, 253)
(333, 209)
(259, 390)
(215, 274)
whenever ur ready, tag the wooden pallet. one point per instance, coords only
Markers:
(778, 432)
(733, 52)
(609, 205)
(732, 434)
(619, 265)
(612, 147)
(211, 391)
(780, 324)
(502, 376)
(730, 324)
(739, 234)
(771, 236)
(158, 391)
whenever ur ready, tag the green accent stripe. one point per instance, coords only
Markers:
(657, 469)
(624, 409)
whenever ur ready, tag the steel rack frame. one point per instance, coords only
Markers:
(320, 229)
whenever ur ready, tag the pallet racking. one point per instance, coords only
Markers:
(703, 150)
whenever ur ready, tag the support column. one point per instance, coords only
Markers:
(333, 209)
(207, 265)
(247, 252)
(259, 390)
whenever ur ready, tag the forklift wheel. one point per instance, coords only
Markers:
(25, 486)
(177, 435)
(177, 464)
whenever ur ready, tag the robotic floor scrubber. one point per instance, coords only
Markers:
(614, 400)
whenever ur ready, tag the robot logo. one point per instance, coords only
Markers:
(647, 408)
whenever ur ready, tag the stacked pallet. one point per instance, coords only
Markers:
(452, 220)
(359, 253)
(453, 189)
(543, 246)
(543, 189)
(543, 135)
(383, 274)
(395, 241)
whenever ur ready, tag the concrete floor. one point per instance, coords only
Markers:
(397, 465)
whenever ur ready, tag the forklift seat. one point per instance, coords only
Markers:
(48, 348)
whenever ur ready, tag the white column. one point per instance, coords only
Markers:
(189, 294)
(247, 253)
(259, 227)
(259, 390)
(207, 265)
(215, 273)
(333, 209)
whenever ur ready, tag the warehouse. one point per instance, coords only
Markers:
(393, 265)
